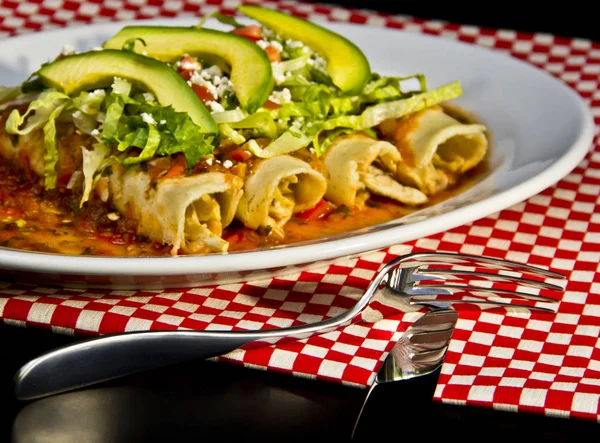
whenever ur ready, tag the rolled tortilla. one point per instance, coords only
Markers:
(278, 188)
(436, 148)
(359, 165)
(187, 212)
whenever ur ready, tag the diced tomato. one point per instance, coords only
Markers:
(186, 74)
(321, 210)
(188, 67)
(234, 237)
(63, 180)
(251, 32)
(240, 155)
(273, 54)
(203, 92)
(271, 105)
(177, 168)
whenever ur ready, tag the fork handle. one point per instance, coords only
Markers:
(104, 358)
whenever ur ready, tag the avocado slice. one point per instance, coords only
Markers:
(251, 72)
(97, 69)
(347, 65)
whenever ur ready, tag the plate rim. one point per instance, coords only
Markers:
(243, 261)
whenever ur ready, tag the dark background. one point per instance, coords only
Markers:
(567, 19)
(204, 401)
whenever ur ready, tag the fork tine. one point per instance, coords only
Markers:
(451, 289)
(436, 319)
(428, 338)
(415, 300)
(447, 274)
(478, 261)
(429, 356)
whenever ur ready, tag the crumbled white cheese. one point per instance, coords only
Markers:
(113, 216)
(293, 44)
(116, 81)
(276, 45)
(215, 106)
(213, 80)
(281, 97)
(147, 118)
(213, 71)
(209, 161)
(279, 78)
(162, 122)
(296, 124)
(262, 43)
(67, 50)
(149, 97)
(227, 164)
(96, 93)
(317, 62)
(189, 65)
(320, 63)
(95, 132)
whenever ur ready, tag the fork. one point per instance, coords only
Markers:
(419, 351)
(402, 281)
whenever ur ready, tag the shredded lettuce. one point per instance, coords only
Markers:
(172, 133)
(390, 88)
(323, 114)
(92, 162)
(120, 119)
(42, 109)
(287, 142)
(261, 124)
(376, 114)
(280, 68)
(232, 134)
(50, 152)
(46, 110)
(234, 115)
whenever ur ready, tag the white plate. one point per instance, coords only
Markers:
(541, 130)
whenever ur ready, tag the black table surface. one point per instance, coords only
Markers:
(209, 400)
(206, 399)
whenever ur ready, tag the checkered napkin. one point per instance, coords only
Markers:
(548, 364)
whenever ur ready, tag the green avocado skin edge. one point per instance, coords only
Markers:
(251, 73)
(346, 63)
(97, 69)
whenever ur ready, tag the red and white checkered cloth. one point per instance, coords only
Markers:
(526, 362)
